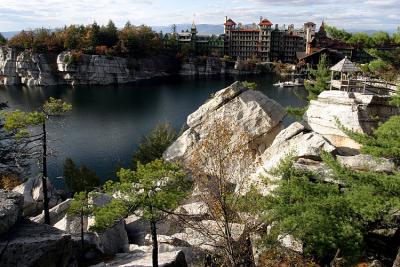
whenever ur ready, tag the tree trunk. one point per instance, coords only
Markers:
(44, 178)
(153, 227)
(396, 262)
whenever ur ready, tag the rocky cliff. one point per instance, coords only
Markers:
(358, 112)
(34, 69)
(25, 243)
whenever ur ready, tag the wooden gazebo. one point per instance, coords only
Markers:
(346, 68)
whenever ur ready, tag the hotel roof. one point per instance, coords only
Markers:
(265, 22)
(229, 22)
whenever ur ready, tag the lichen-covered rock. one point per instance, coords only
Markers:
(11, 205)
(358, 112)
(367, 163)
(32, 244)
(32, 190)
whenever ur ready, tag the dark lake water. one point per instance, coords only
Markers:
(107, 122)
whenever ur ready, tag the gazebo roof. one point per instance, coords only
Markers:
(345, 65)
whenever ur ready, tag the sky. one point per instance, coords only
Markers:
(16, 15)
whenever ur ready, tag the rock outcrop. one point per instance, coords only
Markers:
(143, 258)
(32, 190)
(254, 119)
(110, 241)
(208, 66)
(251, 111)
(34, 69)
(26, 68)
(295, 141)
(367, 163)
(32, 244)
(355, 111)
(11, 205)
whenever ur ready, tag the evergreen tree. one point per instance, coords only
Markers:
(152, 190)
(81, 207)
(94, 34)
(3, 40)
(80, 179)
(331, 215)
(319, 79)
(154, 144)
(19, 122)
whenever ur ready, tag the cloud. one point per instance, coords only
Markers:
(362, 14)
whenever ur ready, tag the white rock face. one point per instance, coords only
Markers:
(144, 259)
(11, 205)
(207, 238)
(291, 243)
(367, 163)
(32, 190)
(33, 69)
(250, 112)
(295, 141)
(27, 68)
(97, 69)
(57, 213)
(358, 112)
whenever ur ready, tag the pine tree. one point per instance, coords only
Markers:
(80, 179)
(319, 79)
(19, 123)
(154, 144)
(151, 191)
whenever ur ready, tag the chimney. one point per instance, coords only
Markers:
(261, 18)
(226, 19)
(308, 36)
(276, 27)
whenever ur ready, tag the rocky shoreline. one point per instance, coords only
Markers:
(249, 111)
(34, 69)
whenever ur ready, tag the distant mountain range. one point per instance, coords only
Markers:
(8, 35)
(204, 29)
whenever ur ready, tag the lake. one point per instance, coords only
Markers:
(107, 122)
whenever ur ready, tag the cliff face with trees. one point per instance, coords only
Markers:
(91, 54)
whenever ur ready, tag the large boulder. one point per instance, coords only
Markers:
(358, 112)
(250, 111)
(11, 204)
(57, 213)
(32, 190)
(110, 241)
(363, 162)
(295, 141)
(32, 244)
(247, 113)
